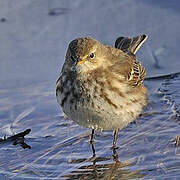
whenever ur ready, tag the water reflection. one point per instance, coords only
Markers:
(61, 149)
(103, 168)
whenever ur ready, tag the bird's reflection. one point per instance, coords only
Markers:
(103, 168)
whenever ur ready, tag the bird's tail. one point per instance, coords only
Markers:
(128, 44)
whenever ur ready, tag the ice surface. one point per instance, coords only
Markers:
(34, 35)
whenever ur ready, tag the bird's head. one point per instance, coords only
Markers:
(84, 55)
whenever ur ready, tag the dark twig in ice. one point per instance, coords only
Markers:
(17, 139)
(58, 11)
(167, 76)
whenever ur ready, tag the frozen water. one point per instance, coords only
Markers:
(34, 36)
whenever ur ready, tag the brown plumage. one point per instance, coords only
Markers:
(100, 86)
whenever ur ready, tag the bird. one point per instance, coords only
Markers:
(101, 86)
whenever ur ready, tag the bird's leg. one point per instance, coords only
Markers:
(115, 138)
(177, 140)
(92, 137)
(92, 145)
(115, 155)
(93, 150)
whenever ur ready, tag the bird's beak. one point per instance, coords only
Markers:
(81, 61)
(78, 60)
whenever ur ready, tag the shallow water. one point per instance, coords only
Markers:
(60, 149)
(34, 38)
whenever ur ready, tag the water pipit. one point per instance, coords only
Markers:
(101, 87)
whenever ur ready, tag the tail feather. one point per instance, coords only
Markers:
(131, 45)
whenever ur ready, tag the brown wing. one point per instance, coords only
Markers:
(129, 67)
(131, 70)
(137, 74)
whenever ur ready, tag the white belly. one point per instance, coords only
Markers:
(102, 115)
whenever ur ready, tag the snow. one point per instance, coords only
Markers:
(35, 34)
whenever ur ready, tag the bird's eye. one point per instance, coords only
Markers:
(92, 55)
